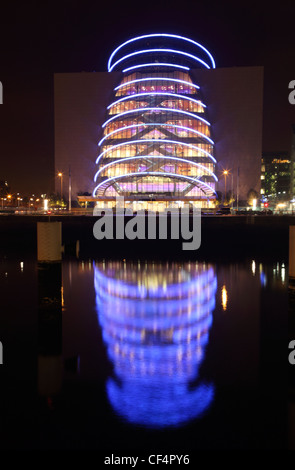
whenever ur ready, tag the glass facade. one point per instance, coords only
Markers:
(157, 147)
(276, 176)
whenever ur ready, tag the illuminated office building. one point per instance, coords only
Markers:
(157, 144)
(159, 127)
(276, 180)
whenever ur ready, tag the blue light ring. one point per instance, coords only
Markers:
(201, 280)
(138, 95)
(155, 157)
(156, 64)
(174, 36)
(197, 182)
(168, 110)
(118, 311)
(162, 141)
(190, 289)
(180, 333)
(177, 80)
(156, 50)
(158, 126)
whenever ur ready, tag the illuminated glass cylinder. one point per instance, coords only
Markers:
(157, 141)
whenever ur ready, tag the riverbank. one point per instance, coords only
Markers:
(221, 236)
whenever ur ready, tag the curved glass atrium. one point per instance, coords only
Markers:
(156, 148)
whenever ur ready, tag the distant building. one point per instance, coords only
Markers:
(278, 175)
(4, 188)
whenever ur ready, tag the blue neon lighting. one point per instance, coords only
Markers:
(203, 321)
(162, 93)
(139, 110)
(152, 64)
(123, 288)
(157, 78)
(156, 124)
(175, 36)
(157, 173)
(163, 141)
(159, 384)
(184, 160)
(147, 51)
(175, 404)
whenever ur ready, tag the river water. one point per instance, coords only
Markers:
(137, 355)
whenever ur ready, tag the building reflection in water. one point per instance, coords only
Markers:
(155, 320)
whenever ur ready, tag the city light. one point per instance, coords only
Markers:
(224, 298)
(225, 173)
(60, 175)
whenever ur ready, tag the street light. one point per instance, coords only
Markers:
(70, 189)
(60, 176)
(225, 173)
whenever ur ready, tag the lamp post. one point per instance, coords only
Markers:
(225, 173)
(70, 190)
(60, 176)
(232, 191)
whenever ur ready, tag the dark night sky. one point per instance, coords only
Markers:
(38, 39)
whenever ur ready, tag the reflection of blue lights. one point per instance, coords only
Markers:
(170, 406)
(263, 279)
(186, 287)
(156, 333)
